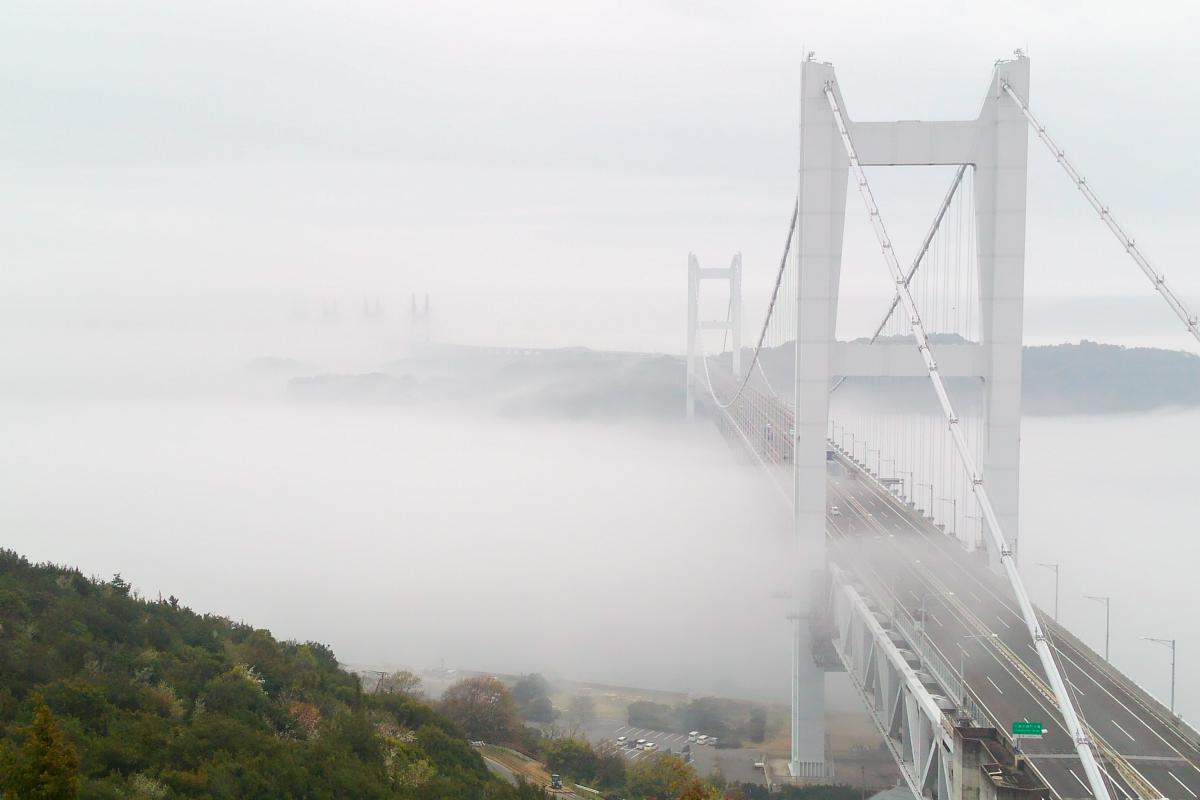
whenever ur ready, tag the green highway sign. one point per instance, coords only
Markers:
(1027, 729)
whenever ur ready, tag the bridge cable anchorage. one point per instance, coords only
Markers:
(762, 335)
(916, 263)
(1083, 745)
(1157, 279)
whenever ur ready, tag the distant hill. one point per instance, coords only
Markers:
(1057, 380)
(1091, 378)
(576, 383)
(157, 701)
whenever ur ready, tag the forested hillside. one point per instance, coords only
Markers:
(104, 694)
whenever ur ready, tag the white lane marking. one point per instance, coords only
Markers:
(933, 617)
(1076, 688)
(1127, 733)
(1002, 622)
(1114, 782)
(993, 683)
(977, 600)
(1184, 785)
(622, 729)
(1004, 604)
(1081, 783)
(1117, 700)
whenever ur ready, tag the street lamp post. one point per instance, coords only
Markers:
(1054, 566)
(1107, 610)
(930, 485)
(1171, 644)
(954, 512)
(876, 452)
(979, 534)
(904, 486)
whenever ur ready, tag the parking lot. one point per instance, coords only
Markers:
(734, 764)
(663, 742)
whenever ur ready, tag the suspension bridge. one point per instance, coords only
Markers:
(905, 502)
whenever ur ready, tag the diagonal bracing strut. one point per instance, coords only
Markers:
(1083, 744)
(1158, 280)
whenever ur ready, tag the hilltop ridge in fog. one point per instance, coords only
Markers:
(1064, 379)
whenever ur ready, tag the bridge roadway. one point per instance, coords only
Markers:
(888, 545)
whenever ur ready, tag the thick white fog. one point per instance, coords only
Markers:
(405, 535)
(625, 552)
(190, 189)
(1113, 499)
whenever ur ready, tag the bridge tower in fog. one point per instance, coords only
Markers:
(732, 325)
(995, 145)
(955, 320)
(419, 321)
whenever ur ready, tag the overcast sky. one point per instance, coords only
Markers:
(543, 168)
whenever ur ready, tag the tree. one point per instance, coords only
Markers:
(697, 789)
(582, 710)
(644, 714)
(483, 708)
(540, 709)
(661, 776)
(610, 765)
(48, 766)
(400, 682)
(709, 715)
(530, 687)
(572, 757)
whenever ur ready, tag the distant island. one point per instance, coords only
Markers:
(578, 383)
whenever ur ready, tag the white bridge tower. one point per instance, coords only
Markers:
(733, 324)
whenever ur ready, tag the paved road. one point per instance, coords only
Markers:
(882, 541)
(512, 777)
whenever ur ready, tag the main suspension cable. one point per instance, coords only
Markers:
(1083, 743)
(1157, 279)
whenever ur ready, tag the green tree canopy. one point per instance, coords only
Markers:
(484, 709)
(660, 776)
(47, 766)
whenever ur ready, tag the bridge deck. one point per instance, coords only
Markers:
(882, 541)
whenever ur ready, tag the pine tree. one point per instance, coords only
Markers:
(48, 766)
